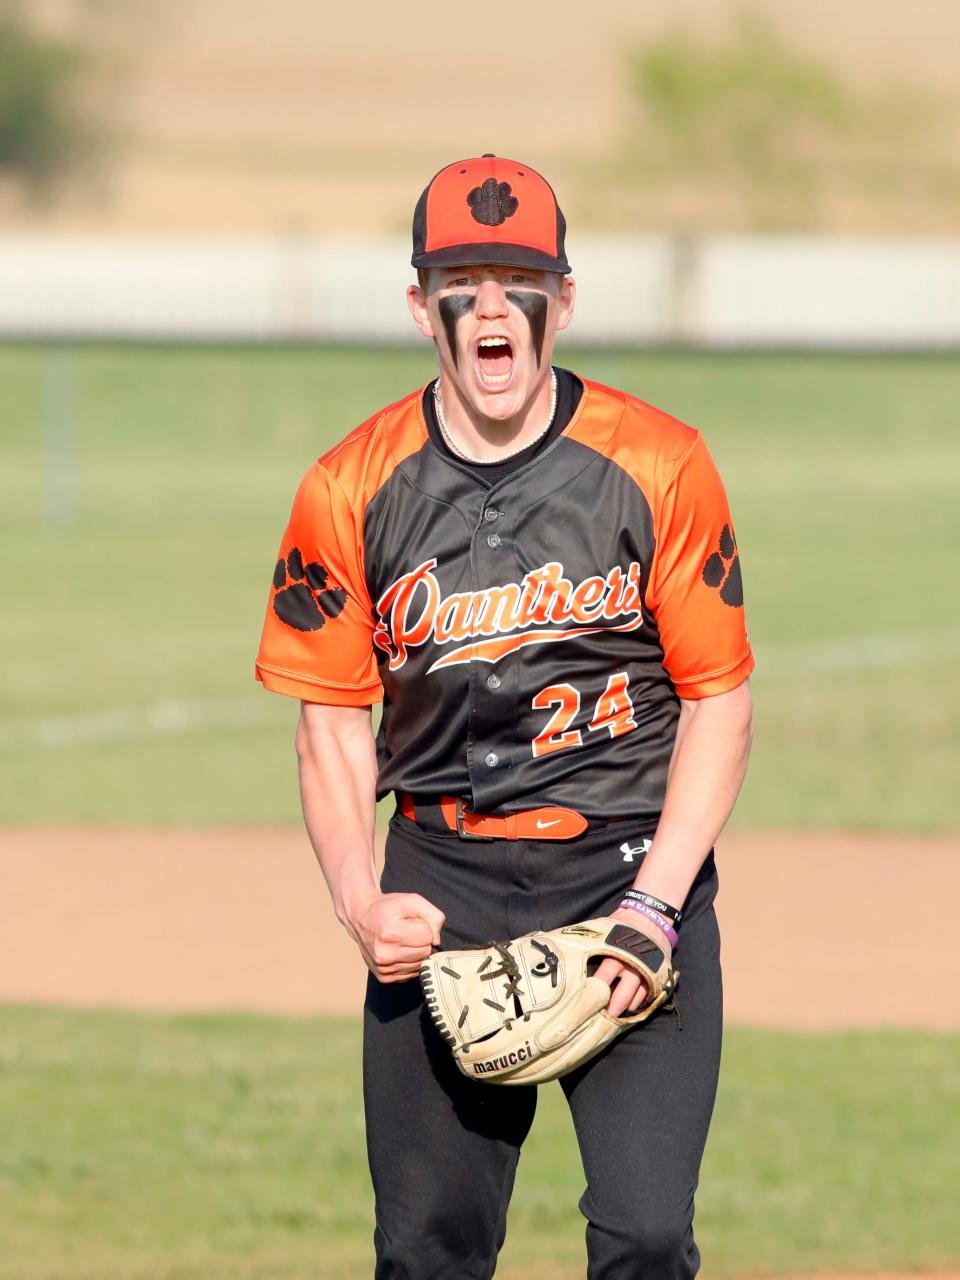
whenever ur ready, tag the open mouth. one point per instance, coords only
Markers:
(494, 362)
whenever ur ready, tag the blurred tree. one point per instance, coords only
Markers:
(46, 128)
(752, 131)
(753, 112)
(735, 102)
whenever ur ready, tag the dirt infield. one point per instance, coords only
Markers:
(220, 919)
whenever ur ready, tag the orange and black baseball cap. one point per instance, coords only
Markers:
(489, 210)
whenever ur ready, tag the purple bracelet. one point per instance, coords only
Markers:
(662, 923)
(665, 909)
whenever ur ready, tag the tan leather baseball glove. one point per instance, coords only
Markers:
(526, 1011)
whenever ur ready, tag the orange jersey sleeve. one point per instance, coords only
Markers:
(696, 590)
(317, 637)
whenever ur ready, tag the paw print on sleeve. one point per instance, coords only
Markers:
(304, 601)
(492, 203)
(722, 570)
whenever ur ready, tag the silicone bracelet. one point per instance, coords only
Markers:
(662, 923)
(658, 904)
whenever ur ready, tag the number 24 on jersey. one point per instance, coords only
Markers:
(613, 712)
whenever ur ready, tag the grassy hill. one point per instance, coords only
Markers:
(228, 115)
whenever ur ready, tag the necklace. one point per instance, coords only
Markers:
(468, 457)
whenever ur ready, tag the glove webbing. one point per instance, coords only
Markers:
(510, 970)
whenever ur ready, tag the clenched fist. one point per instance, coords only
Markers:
(395, 932)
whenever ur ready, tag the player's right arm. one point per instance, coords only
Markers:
(317, 646)
(338, 775)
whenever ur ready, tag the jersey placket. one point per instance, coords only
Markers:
(494, 687)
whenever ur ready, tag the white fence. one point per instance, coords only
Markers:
(716, 291)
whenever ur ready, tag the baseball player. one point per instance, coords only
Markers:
(538, 577)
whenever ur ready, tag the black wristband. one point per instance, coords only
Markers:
(658, 904)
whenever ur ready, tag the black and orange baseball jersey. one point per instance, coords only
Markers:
(530, 640)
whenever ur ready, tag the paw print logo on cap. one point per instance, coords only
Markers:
(492, 203)
(304, 600)
(722, 570)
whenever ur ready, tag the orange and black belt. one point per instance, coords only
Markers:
(448, 813)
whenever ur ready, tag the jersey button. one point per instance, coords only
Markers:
(493, 539)
(491, 759)
(492, 513)
(494, 682)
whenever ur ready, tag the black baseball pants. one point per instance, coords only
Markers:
(443, 1148)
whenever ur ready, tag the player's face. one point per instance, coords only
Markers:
(494, 328)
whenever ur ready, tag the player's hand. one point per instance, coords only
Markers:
(395, 932)
(628, 991)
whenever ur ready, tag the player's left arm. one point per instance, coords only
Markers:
(695, 592)
(707, 768)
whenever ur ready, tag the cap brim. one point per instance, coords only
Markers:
(491, 254)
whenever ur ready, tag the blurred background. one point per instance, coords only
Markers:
(204, 243)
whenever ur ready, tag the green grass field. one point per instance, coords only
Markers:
(230, 1148)
(145, 492)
